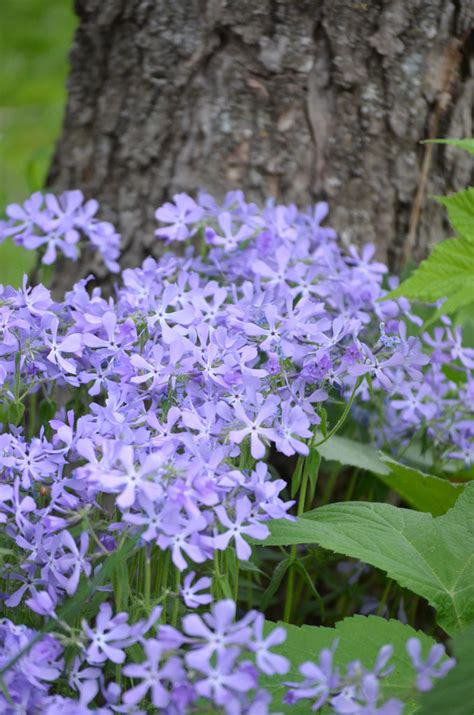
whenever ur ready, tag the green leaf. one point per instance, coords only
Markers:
(120, 579)
(354, 454)
(47, 411)
(454, 694)
(313, 462)
(16, 411)
(301, 568)
(250, 567)
(296, 477)
(275, 582)
(431, 556)
(460, 209)
(360, 637)
(224, 585)
(454, 304)
(447, 273)
(466, 144)
(456, 375)
(424, 492)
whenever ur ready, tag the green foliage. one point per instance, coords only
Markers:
(449, 270)
(466, 144)
(424, 492)
(16, 410)
(35, 40)
(275, 582)
(360, 637)
(353, 454)
(447, 273)
(74, 607)
(454, 694)
(47, 411)
(430, 556)
(460, 209)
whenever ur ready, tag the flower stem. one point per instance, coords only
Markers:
(293, 553)
(147, 581)
(174, 616)
(344, 415)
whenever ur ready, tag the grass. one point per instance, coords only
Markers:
(35, 36)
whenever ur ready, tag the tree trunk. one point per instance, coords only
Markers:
(298, 99)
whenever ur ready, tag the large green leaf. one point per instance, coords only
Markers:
(360, 637)
(423, 491)
(454, 694)
(353, 454)
(460, 209)
(431, 556)
(456, 303)
(447, 273)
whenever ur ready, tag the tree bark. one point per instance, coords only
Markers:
(298, 99)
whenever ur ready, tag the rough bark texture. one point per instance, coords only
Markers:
(298, 99)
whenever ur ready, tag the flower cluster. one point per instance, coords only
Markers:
(214, 657)
(182, 381)
(442, 406)
(153, 414)
(357, 690)
(56, 225)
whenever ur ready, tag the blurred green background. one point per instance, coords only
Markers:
(35, 38)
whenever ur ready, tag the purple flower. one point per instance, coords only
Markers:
(36, 299)
(229, 240)
(269, 663)
(84, 680)
(215, 632)
(430, 669)
(42, 603)
(254, 427)
(70, 344)
(379, 369)
(152, 675)
(319, 680)
(27, 215)
(415, 402)
(190, 591)
(363, 700)
(235, 529)
(294, 424)
(74, 562)
(183, 538)
(183, 212)
(130, 479)
(107, 640)
(226, 678)
(59, 223)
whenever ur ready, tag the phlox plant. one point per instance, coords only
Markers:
(161, 449)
